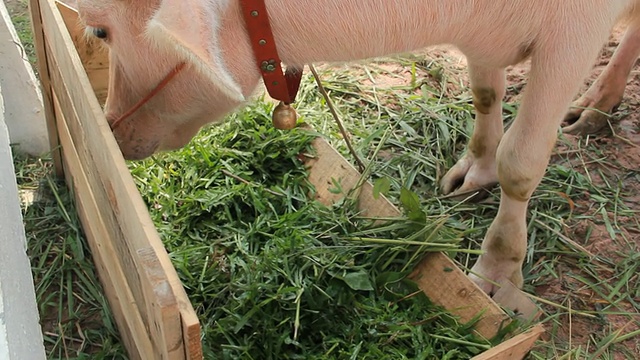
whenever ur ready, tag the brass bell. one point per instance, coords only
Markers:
(284, 117)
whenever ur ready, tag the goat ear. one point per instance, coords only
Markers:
(190, 28)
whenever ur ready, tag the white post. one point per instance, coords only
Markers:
(20, 331)
(24, 114)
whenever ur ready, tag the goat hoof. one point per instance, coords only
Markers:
(588, 122)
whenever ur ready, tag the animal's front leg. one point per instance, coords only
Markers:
(592, 109)
(477, 168)
(504, 247)
(523, 155)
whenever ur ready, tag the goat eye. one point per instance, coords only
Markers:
(100, 33)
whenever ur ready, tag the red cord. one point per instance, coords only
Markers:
(151, 94)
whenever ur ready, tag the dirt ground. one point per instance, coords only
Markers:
(623, 150)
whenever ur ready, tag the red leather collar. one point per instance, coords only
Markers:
(281, 86)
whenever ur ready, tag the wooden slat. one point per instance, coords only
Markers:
(43, 71)
(445, 284)
(329, 166)
(164, 311)
(95, 59)
(149, 293)
(437, 276)
(97, 147)
(128, 319)
(515, 348)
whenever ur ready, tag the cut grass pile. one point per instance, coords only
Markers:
(274, 274)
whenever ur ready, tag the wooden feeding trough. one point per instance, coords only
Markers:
(152, 310)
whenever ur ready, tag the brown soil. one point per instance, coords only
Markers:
(622, 152)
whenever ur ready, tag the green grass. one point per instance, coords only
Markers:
(424, 125)
(274, 274)
(76, 320)
(21, 21)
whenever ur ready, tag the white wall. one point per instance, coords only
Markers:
(22, 98)
(20, 331)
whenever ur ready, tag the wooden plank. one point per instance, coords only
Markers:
(462, 296)
(128, 319)
(93, 54)
(515, 348)
(328, 167)
(437, 275)
(45, 83)
(144, 288)
(164, 312)
(97, 146)
(445, 284)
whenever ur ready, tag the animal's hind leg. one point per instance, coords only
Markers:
(523, 155)
(591, 110)
(477, 167)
